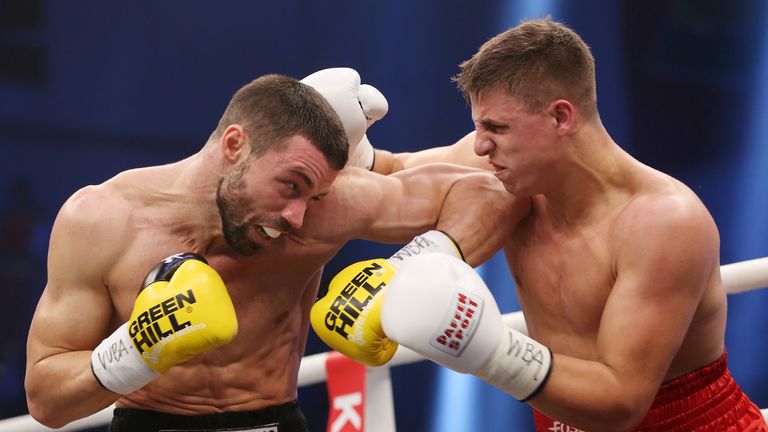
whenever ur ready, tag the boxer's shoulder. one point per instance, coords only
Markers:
(91, 232)
(654, 191)
(91, 209)
(663, 223)
(94, 213)
(664, 210)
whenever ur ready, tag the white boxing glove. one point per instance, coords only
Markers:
(358, 106)
(438, 306)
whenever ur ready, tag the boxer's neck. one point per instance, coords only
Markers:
(596, 175)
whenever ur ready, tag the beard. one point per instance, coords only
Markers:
(233, 207)
(235, 230)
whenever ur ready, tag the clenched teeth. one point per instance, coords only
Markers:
(271, 232)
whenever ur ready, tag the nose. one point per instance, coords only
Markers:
(294, 212)
(483, 145)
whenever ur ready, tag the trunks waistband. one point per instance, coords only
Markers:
(278, 418)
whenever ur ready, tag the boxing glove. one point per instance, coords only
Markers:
(439, 306)
(358, 106)
(347, 317)
(182, 309)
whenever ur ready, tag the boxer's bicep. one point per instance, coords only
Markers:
(370, 206)
(404, 204)
(468, 204)
(74, 310)
(664, 261)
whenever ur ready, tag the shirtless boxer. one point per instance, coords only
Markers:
(263, 205)
(616, 265)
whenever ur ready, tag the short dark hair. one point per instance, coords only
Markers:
(273, 108)
(538, 61)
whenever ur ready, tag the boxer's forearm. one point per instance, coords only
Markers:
(62, 388)
(591, 396)
(386, 162)
(460, 153)
(480, 215)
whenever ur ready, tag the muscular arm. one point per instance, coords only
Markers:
(470, 205)
(665, 257)
(460, 153)
(71, 318)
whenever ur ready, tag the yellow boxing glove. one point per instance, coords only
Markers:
(348, 316)
(183, 310)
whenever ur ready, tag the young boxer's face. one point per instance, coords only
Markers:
(267, 196)
(520, 144)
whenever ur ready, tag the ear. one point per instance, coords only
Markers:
(234, 143)
(563, 115)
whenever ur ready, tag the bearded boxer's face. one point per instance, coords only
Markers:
(237, 214)
(264, 197)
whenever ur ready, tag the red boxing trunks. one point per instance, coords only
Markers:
(705, 400)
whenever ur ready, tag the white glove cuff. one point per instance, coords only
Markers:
(520, 365)
(118, 366)
(429, 242)
(362, 155)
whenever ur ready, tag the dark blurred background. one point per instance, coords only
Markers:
(90, 88)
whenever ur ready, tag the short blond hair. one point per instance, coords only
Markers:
(538, 61)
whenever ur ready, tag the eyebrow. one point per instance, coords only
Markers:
(488, 123)
(304, 176)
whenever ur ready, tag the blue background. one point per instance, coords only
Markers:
(90, 88)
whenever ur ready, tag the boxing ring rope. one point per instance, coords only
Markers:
(737, 277)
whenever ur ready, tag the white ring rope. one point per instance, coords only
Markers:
(737, 277)
(745, 276)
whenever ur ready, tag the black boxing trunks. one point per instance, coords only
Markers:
(705, 400)
(278, 418)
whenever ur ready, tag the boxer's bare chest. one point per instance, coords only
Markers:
(563, 277)
(265, 288)
(272, 292)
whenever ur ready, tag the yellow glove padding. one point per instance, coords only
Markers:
(348, 317)
(174, 321)
(174, 318)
